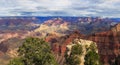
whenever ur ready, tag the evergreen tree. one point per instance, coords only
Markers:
(16, 61)
(34, 51)
(74, 57)
(92, 57)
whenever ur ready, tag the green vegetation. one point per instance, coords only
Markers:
(73, 58)
(92, 57)
(77, 50)
(34, 51)
(16, 61)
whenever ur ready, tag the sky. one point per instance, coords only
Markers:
(101, 8)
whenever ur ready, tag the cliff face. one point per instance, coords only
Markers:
(59, 46)
(8, 49)
(55, 26)
(87, 25)
(59, 33)
(108, 45)
(116, 28)
(15, 24)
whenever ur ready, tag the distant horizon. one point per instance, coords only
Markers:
(44, 18)
(58, 16)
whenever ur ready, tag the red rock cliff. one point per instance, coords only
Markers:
(108, 45)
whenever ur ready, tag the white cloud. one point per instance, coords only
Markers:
(106, 8)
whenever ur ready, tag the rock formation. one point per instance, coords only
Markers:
(56, 26)
(116, 28)
(108, 44)
(60, 32)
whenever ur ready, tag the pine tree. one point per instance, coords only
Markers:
(73, 58)
(92, 57)
(34, 51)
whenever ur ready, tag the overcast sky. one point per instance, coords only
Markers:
(103, 8)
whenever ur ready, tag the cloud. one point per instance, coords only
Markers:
(103, 8)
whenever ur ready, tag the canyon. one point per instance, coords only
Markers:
(60, 32)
